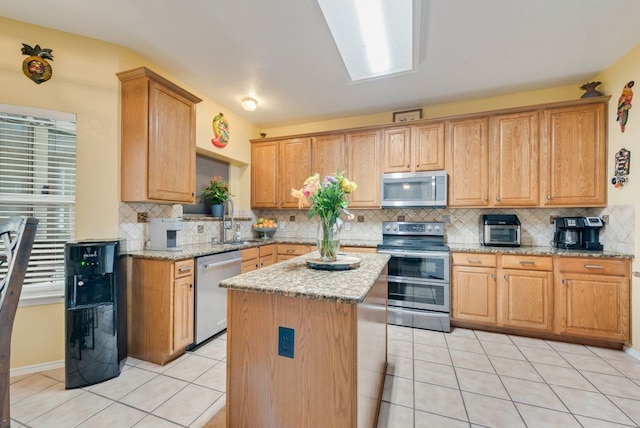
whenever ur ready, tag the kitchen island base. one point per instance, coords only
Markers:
(336, 375)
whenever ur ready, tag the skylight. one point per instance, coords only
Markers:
(374, 37)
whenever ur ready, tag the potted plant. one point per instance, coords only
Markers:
(215, 194)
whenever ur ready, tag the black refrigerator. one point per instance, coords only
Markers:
(95, 312)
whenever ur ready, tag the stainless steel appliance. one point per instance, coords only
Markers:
(577, 233)
(500, 230)
(163, 234)
(211, 299)
(414, 189)
(419, 293)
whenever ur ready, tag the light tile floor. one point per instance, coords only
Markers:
(463, 379)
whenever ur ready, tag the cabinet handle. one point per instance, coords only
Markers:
(527, 262)
(505, 276)
(594, 266)
(257, 265)
(497, 198)
(184, 269)
(408, 166)
(291, 250)
(191, 285)
(485, 198)
(474, 260)
(493, 276)
(564, 281)
(548, 197)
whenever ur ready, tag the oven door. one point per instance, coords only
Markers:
(418, 265)
(432, 296)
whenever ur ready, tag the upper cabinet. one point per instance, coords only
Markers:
(363, 168)
(158, 139)
(573, 156)
(328, 154)
(276, 168)
(414, 148)
(468, 162)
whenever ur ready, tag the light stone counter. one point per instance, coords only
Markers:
(536, 251)
(294, 278)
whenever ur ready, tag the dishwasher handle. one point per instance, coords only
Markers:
(222, 263)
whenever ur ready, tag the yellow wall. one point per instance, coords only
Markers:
(614, 78)
(84, 83)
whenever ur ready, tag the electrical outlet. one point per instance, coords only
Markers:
(292, 218)
(400, 218)
(281, 225)
(347, 226)
(605, 218)
(286, 337)
(201, 228)
(143, 217)
(360, 219)
(446, 219)
(551, 218)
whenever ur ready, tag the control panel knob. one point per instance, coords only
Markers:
(437, 228)
(395, 227)
(429, 228)
(387, 228)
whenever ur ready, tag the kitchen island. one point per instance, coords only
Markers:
(306, 347)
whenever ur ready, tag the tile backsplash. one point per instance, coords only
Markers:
(462, 225)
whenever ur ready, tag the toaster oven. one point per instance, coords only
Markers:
(500, 230)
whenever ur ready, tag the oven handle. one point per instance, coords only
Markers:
(421, 254)
(420, 281)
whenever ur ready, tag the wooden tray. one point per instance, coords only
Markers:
(342, 263)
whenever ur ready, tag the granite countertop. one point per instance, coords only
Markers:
(536, 251)
(294, 278)
(205, 249)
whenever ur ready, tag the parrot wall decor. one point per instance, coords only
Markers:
(624, 104)
(35, 66)
(220, 130)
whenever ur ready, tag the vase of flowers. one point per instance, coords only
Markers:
(327, 198)
(215, 194)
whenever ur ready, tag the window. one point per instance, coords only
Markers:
(38, 179)
(206, 168)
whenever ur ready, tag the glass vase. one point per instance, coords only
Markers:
(328, 239)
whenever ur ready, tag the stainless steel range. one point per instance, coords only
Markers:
(419, 293)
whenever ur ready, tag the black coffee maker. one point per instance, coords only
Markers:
(577, 233)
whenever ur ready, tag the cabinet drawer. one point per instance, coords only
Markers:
(594, 266)
(527, 262)
(473, 259)
(249, 253)
(292, 249)
(266, 250)
(183, 268)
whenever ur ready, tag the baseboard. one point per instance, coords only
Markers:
(36, 368)
(635, 354)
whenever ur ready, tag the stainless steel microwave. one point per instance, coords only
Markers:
(414, 189)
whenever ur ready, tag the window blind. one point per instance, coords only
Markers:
(38, 179)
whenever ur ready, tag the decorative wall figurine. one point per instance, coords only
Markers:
(591, 90)
(220, 130)
(624, 104)
(621, 168)
(36, 67)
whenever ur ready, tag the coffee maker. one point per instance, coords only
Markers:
(163, 234)
(577, 233)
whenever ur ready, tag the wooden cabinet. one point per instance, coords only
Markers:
(289, 251)
(348, 249)
(514, 160)
(592, 298)
(158, 152)
(257, 257)
(473, 288)
(574, 156)
(468, 162)
(414, 148)
(525, 292)
(328, 154)
(363, 167)
(276, 168)
(161, 309)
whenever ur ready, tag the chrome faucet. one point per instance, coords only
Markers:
(227, 220)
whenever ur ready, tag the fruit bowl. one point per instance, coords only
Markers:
(265, 232)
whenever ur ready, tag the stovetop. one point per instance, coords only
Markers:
(413, 236)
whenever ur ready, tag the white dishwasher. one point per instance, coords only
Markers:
(211, 299)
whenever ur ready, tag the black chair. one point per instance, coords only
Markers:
(17, 235)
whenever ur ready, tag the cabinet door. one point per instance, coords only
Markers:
(467, 163)
(295, 168)
(514, 160)
(397, 149)
(473, 294)
(267, 255)
(327, 153)
(526, 299)
(172, 150)
(594, 306)
(264, 175)
(574, 156)
(183, 312)
(250, 258)
(363, 167)
(427, 143)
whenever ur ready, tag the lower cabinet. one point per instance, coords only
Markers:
(257, 257)
(550, 296)
(161, 309)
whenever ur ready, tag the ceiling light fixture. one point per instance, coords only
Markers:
(374, 37)
(249, 104)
